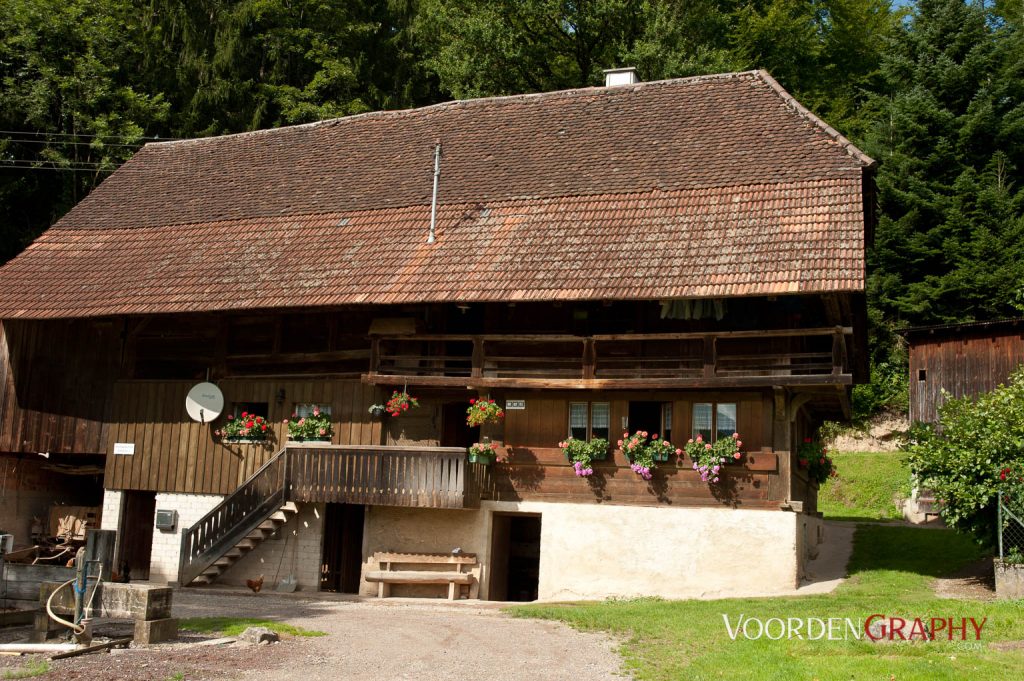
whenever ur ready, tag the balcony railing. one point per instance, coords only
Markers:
(726, 359)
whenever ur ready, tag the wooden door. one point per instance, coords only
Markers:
(138, 514)
(342, 560)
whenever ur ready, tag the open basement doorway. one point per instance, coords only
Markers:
(515, 557)
(343, 548)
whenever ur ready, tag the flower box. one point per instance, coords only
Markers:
(483, 452)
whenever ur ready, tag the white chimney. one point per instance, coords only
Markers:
(623, 76)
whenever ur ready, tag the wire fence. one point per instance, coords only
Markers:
(1011, 531)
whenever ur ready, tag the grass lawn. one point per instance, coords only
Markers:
(864, 486)
(890, 573)
(233, 626)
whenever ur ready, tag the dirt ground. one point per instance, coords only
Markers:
(391, 639)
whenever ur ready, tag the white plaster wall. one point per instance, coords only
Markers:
(591, 551)
(598, 551)
(163, 566)
(296, 548)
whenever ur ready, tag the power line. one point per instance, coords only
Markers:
(67, 143)
(85, 135)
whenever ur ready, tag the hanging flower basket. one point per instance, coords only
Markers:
(812, 456)
(246, 428)
(582, 454)
(480, 412)
(314, 428)
(400, 403)
(709, 459)
(644, 451)
(377, 411)
(483, 452)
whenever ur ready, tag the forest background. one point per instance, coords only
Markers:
(934, 90)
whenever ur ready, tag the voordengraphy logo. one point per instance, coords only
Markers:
(877, 627)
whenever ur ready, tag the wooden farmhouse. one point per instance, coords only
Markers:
(683, 257)
(960, 360)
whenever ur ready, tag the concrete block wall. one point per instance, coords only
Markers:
(163, 566)
(295, 549)
(111, 509)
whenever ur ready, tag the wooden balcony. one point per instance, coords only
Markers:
(817, 356)
(424, 477)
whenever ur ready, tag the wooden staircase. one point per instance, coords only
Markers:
(249, 542)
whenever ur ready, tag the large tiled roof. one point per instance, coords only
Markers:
(700, 187)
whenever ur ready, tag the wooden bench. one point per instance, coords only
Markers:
(388, 574)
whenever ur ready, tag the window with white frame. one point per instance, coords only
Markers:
(589, 420)
(713, 420)
(304, 410)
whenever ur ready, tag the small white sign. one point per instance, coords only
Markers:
(515, 404)
(124, 448)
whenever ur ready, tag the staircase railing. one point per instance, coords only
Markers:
(425, 477)
(231, 520)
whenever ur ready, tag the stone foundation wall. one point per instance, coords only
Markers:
(593, 551)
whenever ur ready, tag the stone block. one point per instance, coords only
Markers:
(156, 631)
(1009, 580)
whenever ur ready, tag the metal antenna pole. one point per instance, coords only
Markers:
(433, 199)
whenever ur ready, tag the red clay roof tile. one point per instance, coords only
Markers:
(711, 186)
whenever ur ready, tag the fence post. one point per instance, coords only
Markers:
(999, 526)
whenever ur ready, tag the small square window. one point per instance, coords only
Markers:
(578, 420)
(304, 410)
(922, 374)
(702, 420)
(252, 408)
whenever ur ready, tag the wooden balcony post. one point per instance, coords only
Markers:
(838, 351)
(589, 358)
(710, 356)
(478, 357)
(374, 355)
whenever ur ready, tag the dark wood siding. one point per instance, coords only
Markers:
(963, 364)
(55, 382)
(175, 454)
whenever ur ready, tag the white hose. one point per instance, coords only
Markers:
(77, 628)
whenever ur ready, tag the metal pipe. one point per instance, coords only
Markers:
(433, 198)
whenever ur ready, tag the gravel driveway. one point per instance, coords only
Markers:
(410, 639)
(372, 639)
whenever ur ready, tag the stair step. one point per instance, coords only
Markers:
(280, 516)
(236, 552)
(202, 580)
(248, 544)
(224, 562)
(290, 507)
(213, 571)
(270, 525)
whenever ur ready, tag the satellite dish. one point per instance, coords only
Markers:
(204, 402)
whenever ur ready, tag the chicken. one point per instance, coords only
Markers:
(255, 584)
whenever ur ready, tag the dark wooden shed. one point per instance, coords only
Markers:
(961, 359)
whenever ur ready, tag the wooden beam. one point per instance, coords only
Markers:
(471, 382)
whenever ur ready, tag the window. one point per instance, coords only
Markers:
(304, 410)
(600, 418)
(922, 374)
(666, 421)
(589, 420)
(254, 408)
(718, 419)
